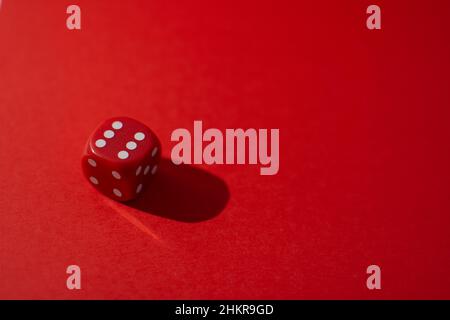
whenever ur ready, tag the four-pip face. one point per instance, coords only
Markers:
(120, 157)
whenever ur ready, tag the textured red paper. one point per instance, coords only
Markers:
(364, 163)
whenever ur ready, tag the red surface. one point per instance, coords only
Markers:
(364, 164)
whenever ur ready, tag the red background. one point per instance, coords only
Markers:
(364, 153)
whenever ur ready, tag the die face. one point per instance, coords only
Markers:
(121, 178)
(122, 140)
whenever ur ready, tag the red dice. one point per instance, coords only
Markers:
(120, 158)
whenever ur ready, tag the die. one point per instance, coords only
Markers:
(120, 158)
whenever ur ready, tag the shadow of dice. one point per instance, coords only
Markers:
(120, 158)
